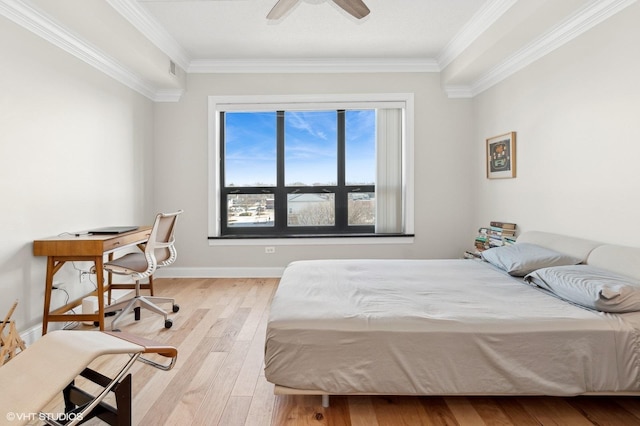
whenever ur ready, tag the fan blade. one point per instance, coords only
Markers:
(356, 8)
(281, 8)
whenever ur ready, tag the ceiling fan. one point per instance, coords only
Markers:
(356, 8)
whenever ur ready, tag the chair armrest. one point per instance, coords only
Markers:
(150, 347)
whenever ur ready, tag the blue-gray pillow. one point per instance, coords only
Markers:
(591, 287)
(522, 258)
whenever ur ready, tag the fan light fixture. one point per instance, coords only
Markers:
(355, 8)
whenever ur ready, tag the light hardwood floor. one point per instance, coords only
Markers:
(219, 378)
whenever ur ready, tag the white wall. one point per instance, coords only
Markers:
(443, 132)
(576, 113)
(75, 151)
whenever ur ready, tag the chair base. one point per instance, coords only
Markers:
(132, 286)
(137, 302)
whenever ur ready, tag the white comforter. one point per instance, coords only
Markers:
(440, 327)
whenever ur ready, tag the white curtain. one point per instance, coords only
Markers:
(389, 217)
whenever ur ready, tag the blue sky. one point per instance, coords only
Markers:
(310, 147)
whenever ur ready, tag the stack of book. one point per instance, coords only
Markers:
(501, 233)
(482, 239)
(497, 234)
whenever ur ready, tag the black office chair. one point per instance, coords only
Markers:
(159, 251)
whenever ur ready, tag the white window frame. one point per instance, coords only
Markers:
(308, 102)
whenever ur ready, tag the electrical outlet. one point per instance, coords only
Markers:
(84, 275)
(269, 250)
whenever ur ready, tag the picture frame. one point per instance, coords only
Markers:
(501, 156)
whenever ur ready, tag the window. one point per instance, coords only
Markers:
(292, 168)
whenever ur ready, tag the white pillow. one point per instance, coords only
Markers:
(522, 258)
(590, 287)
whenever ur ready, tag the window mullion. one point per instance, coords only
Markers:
(280, 196)
(341, 193)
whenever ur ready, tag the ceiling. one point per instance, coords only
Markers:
(238, 29)
(471, 43)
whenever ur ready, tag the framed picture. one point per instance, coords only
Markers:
(501, 156)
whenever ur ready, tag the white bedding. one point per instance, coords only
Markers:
(440, 327)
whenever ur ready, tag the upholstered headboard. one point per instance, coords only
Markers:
(576, 247)
(620, 259)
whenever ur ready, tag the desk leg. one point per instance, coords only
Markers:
(109, 281)
(100, 278)
(48, 288)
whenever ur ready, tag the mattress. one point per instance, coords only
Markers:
(440, 327)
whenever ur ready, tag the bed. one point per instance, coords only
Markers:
(461, 327)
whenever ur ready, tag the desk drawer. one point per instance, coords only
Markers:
(126, 240)
(88, 245)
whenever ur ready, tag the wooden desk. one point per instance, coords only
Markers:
(92, 248)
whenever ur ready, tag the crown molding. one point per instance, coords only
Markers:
(478, 24)
(44, 26)
(369, 65)
(140, 18)
(578, 23)
(458, 92)
(167, 95)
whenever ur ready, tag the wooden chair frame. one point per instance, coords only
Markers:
(12, 341)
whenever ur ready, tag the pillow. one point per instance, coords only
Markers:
(590, 287)
(521, 258)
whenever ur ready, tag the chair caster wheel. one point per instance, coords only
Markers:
(96, 324)
(168, 323)
(136, 313)
(116, 330)
(175, 308)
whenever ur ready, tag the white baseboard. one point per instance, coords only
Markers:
(172, 272)
(34, 333)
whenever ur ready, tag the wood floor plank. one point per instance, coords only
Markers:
(299, 410)
(218, 394)
(253, 366)
(338, 414)
(516, 412)
(262, 402)
(235, 411)
(438, 411)
(395, 411)
(361, 411)
(182, 378)
(191, 399)
(187, 335)
(232, 297)
(233, 326)
(463, 411)
(259, 304)
(631, 404)
(491, 413)
(605, 412)
(553, 411)
(211, 293)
